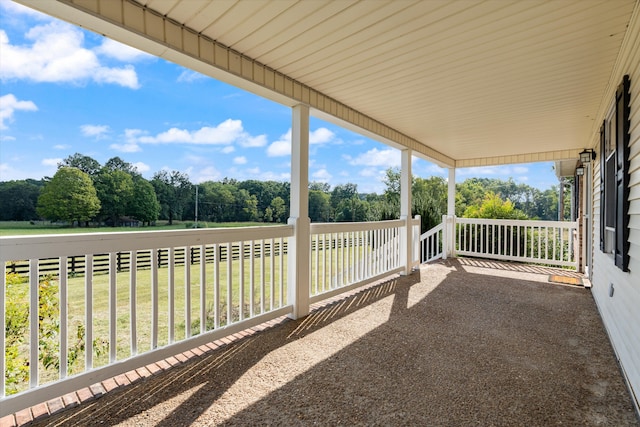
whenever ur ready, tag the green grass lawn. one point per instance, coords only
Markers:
(26, 228)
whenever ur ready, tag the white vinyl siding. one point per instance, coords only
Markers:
(621, 311)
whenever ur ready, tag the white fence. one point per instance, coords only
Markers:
(537, 242)
(103, 325)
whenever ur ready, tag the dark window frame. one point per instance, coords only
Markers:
(615, 176)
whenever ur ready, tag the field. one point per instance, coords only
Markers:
(26, 228)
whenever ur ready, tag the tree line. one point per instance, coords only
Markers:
(83, 191)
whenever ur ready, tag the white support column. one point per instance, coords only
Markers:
(405, 211)
(298, 257)
(450, 226)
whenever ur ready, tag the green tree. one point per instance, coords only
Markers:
(144, 206)
(115, 191)
(319, 206)
(173, 190)
(69, 196)
(117, 164)
(86, 164)
(493, 207)
(279, 210)
(18, 200)
(216, 201)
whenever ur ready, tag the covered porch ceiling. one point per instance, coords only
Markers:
(462, 83)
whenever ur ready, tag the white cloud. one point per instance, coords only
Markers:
(7, 138)
(279, 148)
(209, 173)
(319, 136)
(97, 131)
(253, 141)
(387, 158)
(57, 55)
(228, 149)
(116, 50)
(142, 167)
(226, 133)
(189, 76)
(322, 175)
(253, 171)
(240, 160)
(61, 147)
(50, 162)
(9, 104)
(12, 8)
(282, 147)
(126, 147)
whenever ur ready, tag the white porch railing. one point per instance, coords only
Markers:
(537, 242)
(432, 244)
(136, 298)
(127, 320)
(347, 255)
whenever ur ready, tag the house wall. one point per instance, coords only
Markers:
(621, 311)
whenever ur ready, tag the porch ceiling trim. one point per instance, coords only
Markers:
(548, 156)
(143, 28)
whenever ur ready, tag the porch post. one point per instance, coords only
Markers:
(450, 226)
(405, 211)
(299, 244)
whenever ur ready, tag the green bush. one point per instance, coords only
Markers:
(17, 332)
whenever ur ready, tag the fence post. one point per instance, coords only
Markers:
(445, 237)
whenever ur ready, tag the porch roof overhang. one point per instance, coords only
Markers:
(462, 83)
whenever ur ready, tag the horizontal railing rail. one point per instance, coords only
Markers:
(538, 242)
(62, 332)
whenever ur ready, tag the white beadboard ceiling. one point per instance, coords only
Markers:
(469, 79)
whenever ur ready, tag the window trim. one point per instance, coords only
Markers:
(618, 201)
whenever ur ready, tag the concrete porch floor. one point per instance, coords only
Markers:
(459, 342)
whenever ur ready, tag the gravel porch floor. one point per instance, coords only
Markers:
(457, 343)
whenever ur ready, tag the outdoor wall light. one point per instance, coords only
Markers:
(587, 155)
(580, 170)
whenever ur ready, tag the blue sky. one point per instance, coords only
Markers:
(65, 90)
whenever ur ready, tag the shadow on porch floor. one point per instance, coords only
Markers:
(456, 343)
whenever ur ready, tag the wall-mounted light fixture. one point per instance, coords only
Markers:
(580, 170)
(587, 155)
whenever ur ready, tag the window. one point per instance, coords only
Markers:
(614, 179)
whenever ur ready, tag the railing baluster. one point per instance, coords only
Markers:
(171, 293)
(272, 278)
(154, 297)
(216, 284)
(229, 283)
(281, 293)
(88, 309)
(187, 293)
(113, 305)
(34, 339)
(133, 310)
(263, 279)
(203, 289)
(241, 280)
(252, 280)
(64, 315)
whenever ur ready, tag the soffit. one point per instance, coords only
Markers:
(469, 79)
